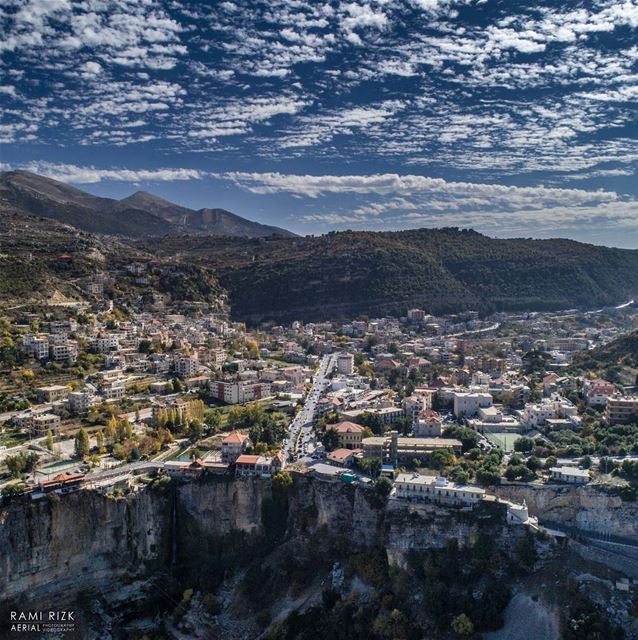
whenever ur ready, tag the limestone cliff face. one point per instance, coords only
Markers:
(588, 507)
(222, 506)
(60, 546)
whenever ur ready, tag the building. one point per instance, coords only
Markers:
(239, 392)
(64, 352)
(416, 315)
(80, 401)
(572, 475)
(413, 486)
(105, 343)
(54, 393)
(115, 390)
(257, 466)
(621, 409)
(345, 364)
(393, 448)
(43, 422)
(597, 391)
(468, 404)
(186, 366)
(350, 434)
(428, 424)
(342, 457)
(234, 445)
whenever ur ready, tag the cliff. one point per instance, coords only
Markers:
(57, 547)
(590, 508)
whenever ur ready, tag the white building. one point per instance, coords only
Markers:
(436, 489)
(571, 475)
(345, 364)
(468, 404)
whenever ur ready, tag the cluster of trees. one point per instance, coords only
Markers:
(22, 463)
(13, 403)
(180, 421)
(266, 429)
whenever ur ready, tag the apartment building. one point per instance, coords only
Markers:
(345, 364)
(621, 409)
(239, 392)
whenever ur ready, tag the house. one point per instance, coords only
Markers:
(186, 366)
(341, 457)
(234, 445)
(44, 422)
(239, 392)
(80, 401)
(350, 434)
(62, 483)
(572, 475)
(428, 424)
(413, 486)
(249, 466)
(597, 391)
(54, 393)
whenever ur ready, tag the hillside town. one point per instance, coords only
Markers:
(421, 407)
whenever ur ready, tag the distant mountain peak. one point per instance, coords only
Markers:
(146, 213)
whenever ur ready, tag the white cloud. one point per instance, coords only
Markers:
(91, 175)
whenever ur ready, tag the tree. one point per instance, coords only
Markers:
(99, 436)
(440, 458)
(550, 462)
(281, 481)
(195, 430)
(111, 430)
(330, 439)
(524, 444)
(383, 486)
(49, 440)
(21, 463)
(462, 625)
(371, 466)
(81, 443)
(534, 464)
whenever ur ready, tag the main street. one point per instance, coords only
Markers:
(301, 427)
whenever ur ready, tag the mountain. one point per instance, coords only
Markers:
(616, 361)
(216, 222)
(440, 270)
(140, 215)
(39, 196)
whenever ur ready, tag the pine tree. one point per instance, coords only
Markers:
(49, 440)
(99, 436)
(111, 430)
(81, 443)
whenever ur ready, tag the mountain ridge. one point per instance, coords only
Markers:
(139, 215)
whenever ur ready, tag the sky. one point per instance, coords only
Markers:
(516, 118)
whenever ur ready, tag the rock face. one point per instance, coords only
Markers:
(61, 546)
(589, 507)
(83, 542)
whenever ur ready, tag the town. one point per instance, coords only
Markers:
(421, 408)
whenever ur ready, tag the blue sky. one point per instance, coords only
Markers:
(513, 118)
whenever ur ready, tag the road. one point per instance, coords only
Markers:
(300, 429)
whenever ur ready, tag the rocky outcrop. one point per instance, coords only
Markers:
(59, 546)
(591, 508)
